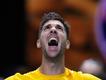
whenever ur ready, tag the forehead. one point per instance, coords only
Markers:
(54, 23)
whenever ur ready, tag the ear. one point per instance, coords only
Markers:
(38, 44)
(67, 44)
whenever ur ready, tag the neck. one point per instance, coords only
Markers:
(52, 66)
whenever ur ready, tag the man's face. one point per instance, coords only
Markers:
(53, 38)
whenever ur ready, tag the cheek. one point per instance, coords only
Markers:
(63, 37)
(43, 38)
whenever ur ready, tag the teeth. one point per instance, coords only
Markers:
(52, 39)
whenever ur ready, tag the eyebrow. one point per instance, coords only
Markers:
(59, 25)
(47, 25)
(56, 25)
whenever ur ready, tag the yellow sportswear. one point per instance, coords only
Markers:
(67, 75)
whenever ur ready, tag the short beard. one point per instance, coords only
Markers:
(57, 57)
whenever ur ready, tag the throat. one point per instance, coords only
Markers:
(52, 68)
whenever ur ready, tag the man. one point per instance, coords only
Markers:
(53, 40)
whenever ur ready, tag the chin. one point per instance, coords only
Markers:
(53, 54)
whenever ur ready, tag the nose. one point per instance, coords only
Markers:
(53, 30)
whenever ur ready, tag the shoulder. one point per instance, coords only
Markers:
(78, 75)
(18, 76)
(14, 77)
(86, 76)
(89, 76)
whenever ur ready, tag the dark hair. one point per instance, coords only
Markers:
(53, 16)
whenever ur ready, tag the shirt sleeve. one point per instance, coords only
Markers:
(17, 76)
(90, 77)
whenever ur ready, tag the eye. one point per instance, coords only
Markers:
(59, 27)
(47, 27)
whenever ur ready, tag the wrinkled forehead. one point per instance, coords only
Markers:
(54, 23)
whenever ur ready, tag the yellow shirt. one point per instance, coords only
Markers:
(67, 75)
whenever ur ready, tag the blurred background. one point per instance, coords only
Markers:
(87, 19)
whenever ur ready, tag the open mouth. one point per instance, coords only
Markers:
(53, 42)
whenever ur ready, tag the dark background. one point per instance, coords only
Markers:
(12, 36)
